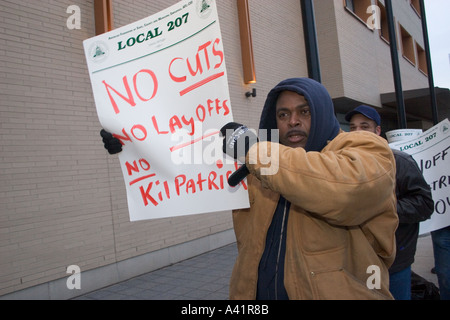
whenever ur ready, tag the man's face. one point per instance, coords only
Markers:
(360, 122)
(293, 119)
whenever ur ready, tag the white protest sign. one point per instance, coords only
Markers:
(160, 86)
(431, 150)
(402, 135)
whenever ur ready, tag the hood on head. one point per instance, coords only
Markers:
(324, 125)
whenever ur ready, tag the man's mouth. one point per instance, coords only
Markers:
(296, 136)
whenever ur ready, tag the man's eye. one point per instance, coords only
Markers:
(306, 113)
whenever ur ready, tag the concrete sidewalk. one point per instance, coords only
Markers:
(206, 277)
(424, 259)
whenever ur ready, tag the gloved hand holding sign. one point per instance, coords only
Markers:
(112, 144)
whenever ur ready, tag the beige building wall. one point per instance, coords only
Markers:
(329, 47)
(62, 196)
(355, 60)
(406, 17)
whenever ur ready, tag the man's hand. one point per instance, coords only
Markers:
(238, 139)
(112, 144)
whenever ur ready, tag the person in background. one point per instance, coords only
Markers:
(414, 203)
(441, 249)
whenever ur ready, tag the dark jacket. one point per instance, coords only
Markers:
(414, 205)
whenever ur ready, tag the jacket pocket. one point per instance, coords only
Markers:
(341, 285)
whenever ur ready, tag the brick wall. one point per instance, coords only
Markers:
(55, 206)
(62, 197)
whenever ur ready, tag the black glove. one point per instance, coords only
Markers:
(238, 139)
(236, 145)
(112, 144)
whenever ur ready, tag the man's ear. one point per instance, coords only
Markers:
(378, 130)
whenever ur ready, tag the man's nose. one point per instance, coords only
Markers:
(294, 120)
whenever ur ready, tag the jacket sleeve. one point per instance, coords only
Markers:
(414, 199)
(348, 183)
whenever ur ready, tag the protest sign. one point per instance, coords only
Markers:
(431, 150)
(160, 86)
(402, 135)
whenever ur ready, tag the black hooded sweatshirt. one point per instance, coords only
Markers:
(324, 127)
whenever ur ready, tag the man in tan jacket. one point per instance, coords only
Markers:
(322, 225)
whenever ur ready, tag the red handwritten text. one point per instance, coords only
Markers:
(202, 112)
(180, 68)
(128, 97)
(153, 193)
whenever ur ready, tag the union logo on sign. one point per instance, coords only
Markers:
(204, 8)
(98, 52)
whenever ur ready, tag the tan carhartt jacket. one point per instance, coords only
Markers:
(341, 226)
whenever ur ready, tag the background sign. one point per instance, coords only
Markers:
(160, 86)
(431, 150)
(402, 134)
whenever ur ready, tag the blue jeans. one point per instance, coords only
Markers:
(400, 284)
(441, 248)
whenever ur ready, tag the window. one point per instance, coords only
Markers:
(415, 4)
(360, 9)
(384, 29)
(349, 5)
(422, 59)
(407, 45)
